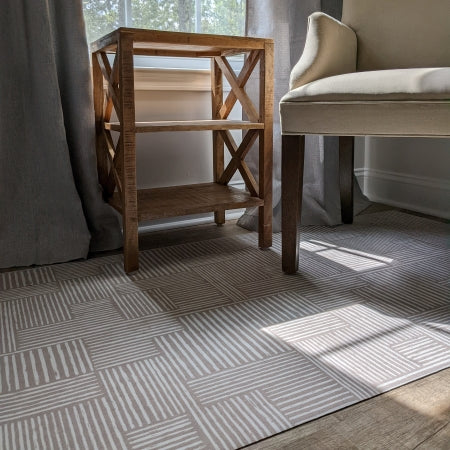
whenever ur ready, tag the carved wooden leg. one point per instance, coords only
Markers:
(292, 161)
(346, 163)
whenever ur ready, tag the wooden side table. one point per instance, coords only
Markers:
(117, 161)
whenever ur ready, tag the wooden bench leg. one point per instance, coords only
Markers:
(346, 165)
(292, 162)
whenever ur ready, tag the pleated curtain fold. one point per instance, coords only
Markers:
(286, 22)
(51, 208)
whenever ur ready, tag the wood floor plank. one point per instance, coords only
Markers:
(439, 440)
(412, 416)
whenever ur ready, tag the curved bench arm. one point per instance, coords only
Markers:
(330, 49)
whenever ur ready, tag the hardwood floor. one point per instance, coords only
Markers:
(414, 416)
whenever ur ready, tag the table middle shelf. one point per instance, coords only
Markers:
(188, 125)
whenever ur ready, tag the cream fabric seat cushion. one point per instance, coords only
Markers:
(394, 84)
(394, 102)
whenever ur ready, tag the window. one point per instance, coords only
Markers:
(200, 16)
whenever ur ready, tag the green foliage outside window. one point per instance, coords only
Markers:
(216, 16)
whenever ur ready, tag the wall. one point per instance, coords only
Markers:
(169, 158)
(411, 173)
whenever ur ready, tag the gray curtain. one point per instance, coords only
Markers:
(51, 209)
(286, 22)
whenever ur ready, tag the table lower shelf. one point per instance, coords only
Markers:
(175, 201)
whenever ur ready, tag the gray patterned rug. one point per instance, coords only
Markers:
(211, 346)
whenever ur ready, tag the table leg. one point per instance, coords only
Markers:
(266, 146)
(218, 145)
(128, 153)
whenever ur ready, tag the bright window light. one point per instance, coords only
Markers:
(192, 16)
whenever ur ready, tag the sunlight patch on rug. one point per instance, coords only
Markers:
(353, 259)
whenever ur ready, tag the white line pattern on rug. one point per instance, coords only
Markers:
(28, 277)
(35, 367)
(48, 396)
(211, 346)
(84, 425)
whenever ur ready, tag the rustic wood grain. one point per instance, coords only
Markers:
(237, 162)
(111, 83)
(168, 41)
(119, 161)
(189, 125)
(244, 99)
(114, 80)
(218, 144)
(128, 153)
(175, 201)
(247, 69)
(266, 95)
(100, 144)
(115, 170)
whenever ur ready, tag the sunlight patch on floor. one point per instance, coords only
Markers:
(353, 259)
(362, 345)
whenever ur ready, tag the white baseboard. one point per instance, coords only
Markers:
(421, 194)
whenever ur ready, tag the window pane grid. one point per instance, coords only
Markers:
(205, 16)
